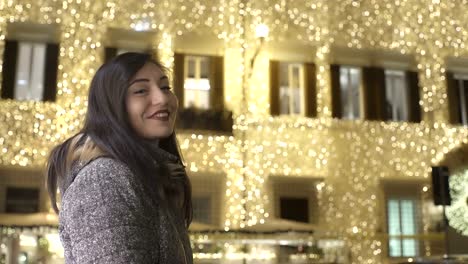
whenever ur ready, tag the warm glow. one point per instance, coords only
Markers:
(261, 31)
(351, 157)
(28, 240)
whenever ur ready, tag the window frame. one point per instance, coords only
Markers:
(406, 104)
(19, 33)
(308, 93)
(400, 236)
(198, 59)
(215, 77)
(296, 188)
(460, 79)
(290, 90)
(33, 86)
(360, 101)
(403, 190)
(372, 93)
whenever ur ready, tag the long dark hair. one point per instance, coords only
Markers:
(108, 128)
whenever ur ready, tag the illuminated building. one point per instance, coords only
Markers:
(345, 139)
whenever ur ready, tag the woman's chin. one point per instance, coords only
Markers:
(159, 134)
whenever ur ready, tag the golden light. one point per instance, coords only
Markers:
(285, 145)
(262, 31)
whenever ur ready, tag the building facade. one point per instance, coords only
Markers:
(334, 118)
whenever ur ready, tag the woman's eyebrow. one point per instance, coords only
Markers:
(164, 77)
(138, 80)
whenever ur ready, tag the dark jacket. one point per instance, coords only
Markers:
(106, 217)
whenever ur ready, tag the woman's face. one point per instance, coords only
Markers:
(151, 105)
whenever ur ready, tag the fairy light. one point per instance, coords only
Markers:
(291, 146)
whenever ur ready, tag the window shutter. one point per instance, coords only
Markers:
(335, 89)
(374, 93)
(369, 93)
(10, 56)
(310, 92)
(453, 98)
(274, 88)
(465, 86)
(179, 78)
(413, 97)
(50, 74)
(380, 96)
(216, 76)
(109, 53)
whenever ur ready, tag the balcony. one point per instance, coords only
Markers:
(205, 120)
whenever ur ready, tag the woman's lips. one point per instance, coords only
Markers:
(162, 115)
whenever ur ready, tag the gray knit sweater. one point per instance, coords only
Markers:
(106, 217)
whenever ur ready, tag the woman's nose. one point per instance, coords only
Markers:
(158, 96)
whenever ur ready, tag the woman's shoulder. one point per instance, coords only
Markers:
(104, 164)
(102, 171)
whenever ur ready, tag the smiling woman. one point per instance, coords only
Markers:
(126, 197)
(151, 105)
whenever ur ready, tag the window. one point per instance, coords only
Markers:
(462, 81)
(199, 81)
(199, 85)
(30, 63)
(292, 88)
(22, 200)
(196, 82)
(202, 209)
(119, 41)
(296, 209)
(396, 95)
(458, 98)
(29, 72)
(295, 198)
(457, 94)
(350, 92)
(375, 93)
(401, 219)
(207, 198)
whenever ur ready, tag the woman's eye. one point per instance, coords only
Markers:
(140, 91)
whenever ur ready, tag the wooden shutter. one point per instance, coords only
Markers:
(109, 53)
(50, 72)
(335, 89)
(465, 87)
(274, 88)
(380, 107)
(374, 93)
(453, 98)
(413, 97)
(179, 80)
(216, 76)
(10, 56)
(310, 90)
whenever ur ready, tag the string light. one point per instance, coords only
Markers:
(351, 156)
